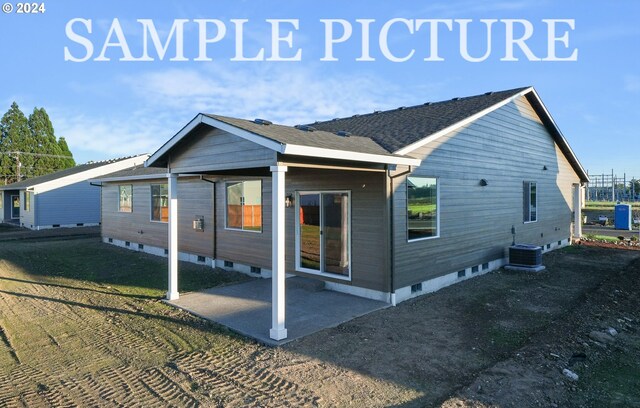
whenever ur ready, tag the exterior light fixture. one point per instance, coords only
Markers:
(289, 201)
(483, 182)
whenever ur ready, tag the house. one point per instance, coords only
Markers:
(386, 205)
(62, 199)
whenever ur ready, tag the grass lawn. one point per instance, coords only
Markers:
(608, 205)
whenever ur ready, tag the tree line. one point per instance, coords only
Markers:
(29, 146)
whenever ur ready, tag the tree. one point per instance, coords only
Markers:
(47, 146)
(29, 147)
(14, 137)
(64, 151)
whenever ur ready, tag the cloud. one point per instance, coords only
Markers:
(289, 96)
(156, 104)
(632, 83)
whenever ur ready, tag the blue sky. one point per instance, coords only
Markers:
(116, 108)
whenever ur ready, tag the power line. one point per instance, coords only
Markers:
(37, 154)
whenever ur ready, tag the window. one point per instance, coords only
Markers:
(530, 201)
(27, 200)
(1, 199)
(125, 202)
(160, 202)
(422, 208)
(244, 205)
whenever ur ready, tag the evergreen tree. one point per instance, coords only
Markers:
(64, 150)
(47, 145)
(29, 147)
(14, 137)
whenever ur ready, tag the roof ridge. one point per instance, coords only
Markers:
(429, 103)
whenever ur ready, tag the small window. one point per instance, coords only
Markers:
(125, 201)
(416, 288)
(201, 258)
(160, 202)
(228, 264)
(530, 201)
(485, 266)
(422, 207)
(27, 200)
(140, 246)
(1, 199)
(462, 273)
(244, 205)
(474, 269)
(255, 269)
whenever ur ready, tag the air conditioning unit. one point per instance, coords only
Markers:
(526, 258)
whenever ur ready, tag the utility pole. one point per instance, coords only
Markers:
(18, 166)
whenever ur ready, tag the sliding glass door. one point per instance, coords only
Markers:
(323, 233)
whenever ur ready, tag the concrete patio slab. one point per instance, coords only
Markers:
(246, 308)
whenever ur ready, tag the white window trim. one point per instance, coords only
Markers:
(118, 204)
(537, 208)
(406, 212)
(226, 227)
(299, 268)
(26, 206)
(151, 202)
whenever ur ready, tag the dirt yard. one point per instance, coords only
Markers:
(81, 323)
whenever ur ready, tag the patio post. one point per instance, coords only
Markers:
(172, 293)
(278, 330)
(577, 210)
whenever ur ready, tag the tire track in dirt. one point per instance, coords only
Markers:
(4, 336)
(239, 381)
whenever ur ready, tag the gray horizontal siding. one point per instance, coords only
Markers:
(369, 228)
(213, 149)
(246, 247)
(73, 204)
(506, 147)
(195, 198)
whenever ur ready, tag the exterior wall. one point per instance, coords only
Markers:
(137, 227)
(506, 147)
(369, 231)
(77, 203)
(213, 149)
(245, 247)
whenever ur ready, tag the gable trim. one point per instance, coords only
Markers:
(201, 118)
(290, 149)
(546, 117)
(297, 150)
(435, 136)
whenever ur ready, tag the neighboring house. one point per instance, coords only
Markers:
(62, 199)
(387, 205)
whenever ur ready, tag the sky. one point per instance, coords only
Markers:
(116, 108)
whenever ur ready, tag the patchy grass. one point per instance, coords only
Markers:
(604, 238)
(92, 261)
(614, 382)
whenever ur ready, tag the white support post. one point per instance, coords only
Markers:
(577, 211)
(278, 330)
(172, 293)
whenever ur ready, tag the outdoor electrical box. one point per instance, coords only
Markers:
(198, 223)
(622, 217)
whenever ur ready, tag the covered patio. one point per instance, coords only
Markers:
(245, 308)
(327, 176)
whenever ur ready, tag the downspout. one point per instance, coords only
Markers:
(214, 223)
(390, 212)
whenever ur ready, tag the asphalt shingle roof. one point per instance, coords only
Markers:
(138, 170)
(59, 174)
(291, 135)
(398, 128)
